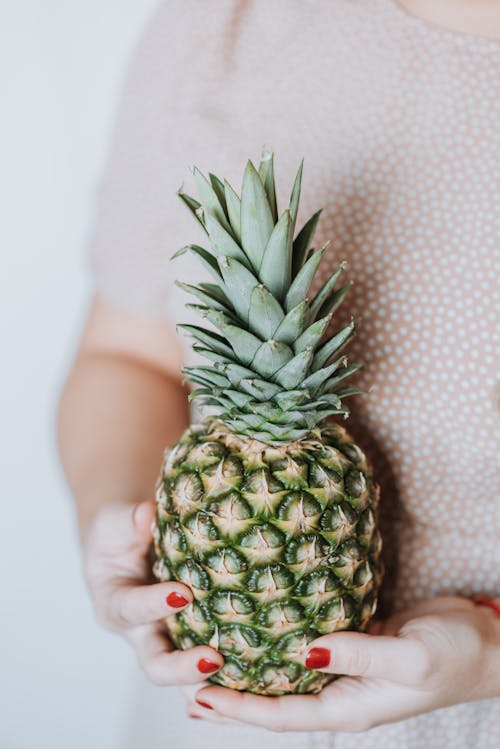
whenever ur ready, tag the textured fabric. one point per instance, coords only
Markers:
(398, 123)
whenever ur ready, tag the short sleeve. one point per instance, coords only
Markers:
(168, 119)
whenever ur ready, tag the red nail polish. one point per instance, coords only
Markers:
(176, 600)
(206, 666)
(318, 658)
(204, 704)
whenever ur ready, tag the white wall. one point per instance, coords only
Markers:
(63, 682)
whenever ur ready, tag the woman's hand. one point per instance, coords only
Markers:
(118, 574)
(440, 653)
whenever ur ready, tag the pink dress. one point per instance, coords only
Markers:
(397, 121)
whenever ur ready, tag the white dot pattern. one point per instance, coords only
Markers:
(398, 124)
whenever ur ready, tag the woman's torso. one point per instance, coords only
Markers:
(397, 121)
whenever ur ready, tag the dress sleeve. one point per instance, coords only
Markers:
(169, 118)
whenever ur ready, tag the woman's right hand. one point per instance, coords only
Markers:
(117, 570)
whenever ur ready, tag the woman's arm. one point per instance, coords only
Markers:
(122, 404)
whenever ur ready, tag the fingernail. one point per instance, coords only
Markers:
(206, 666)
(318, 658)
(176, 600)
(204, 704)
(196, 717)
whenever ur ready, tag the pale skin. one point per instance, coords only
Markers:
(123, 403)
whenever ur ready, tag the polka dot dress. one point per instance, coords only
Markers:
(397, 121)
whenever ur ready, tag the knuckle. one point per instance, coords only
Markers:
(276, 720)
(104, 617)
(360, 724)
(117, 611)
(277, 726)
(154, 677)
(153, 673)
(358, 661)
(424, 666)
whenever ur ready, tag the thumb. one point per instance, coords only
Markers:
(143, 515)
(122, 527)
(399, 659)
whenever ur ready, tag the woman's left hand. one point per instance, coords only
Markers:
(439, 653)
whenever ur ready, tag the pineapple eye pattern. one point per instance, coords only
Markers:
(200, 526)
(280, 617)
(227, 565)
(203, 455)
(264, 589)
(186, 493)
(231, 605)
(271, 578)
(354, 483)
(319, 583)
(239, 640)
(196, 620)
(265, 535)
(234, 673)
(174, 541)
(278, 679)
(193, 574)
(337, 614)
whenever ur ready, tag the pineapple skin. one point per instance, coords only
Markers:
(278, 543)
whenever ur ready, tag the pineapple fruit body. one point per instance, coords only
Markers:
(266, 510)
(279, 545)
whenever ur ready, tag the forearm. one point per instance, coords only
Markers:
(116, 416)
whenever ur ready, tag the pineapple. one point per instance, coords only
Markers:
(266, 509)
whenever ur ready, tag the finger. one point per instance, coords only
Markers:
(166, 666)
(399, 659)
(284, 713)
(120, 527)
(200, 711)
(190, 691)
(133, 605)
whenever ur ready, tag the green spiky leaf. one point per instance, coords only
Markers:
(239, 283)
(333, 346)
(273, 374)
(271, 356)
(193, 206)
(222, 242)
(276, 267)
(256, 218)
(266, 173)
(233, 203)
(265, 313)
(325, 291)
(302, 242)
(292, 324)
(294, 371)
(302, 281)
(295, 196)
(210, 199)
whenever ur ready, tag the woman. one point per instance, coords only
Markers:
(394, 106)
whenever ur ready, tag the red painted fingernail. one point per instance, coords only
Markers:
(196, 717)
(318, 658)
(204, 704)
(176, 600)
(206, 666)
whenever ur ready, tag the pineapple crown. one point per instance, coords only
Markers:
(272, 375)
